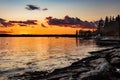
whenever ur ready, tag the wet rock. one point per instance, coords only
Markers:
(91, 75)
(104, 53)
(103, 71)
(88, 59)
(115, 61)
(29, 75)
(105, 68)
(59, 76)
(101, 51)
(3, 78)
(114, 54)
(96, 62)
(116, 73)
(66, 78)
(80, 70)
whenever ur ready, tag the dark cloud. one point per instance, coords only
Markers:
(67, 21)
(32, 7)
(2, 20)
(45, 9)
(31, 22)
(4, 23)
(24, 23)
(43, 25)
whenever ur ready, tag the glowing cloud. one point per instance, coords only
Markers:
(70, 21)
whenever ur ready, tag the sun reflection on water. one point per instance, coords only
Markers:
(19, 54)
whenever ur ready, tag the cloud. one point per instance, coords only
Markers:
(43, 25)
(70, 21)
(4, 23)
(2, 20)
(31, 22)
(32, 7)
(66, 20)
(45, 9)
(25, 23)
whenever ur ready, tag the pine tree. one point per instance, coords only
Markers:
(100, 26)
(119, 23)
(118, 18)
(106, 21)
(113, 19)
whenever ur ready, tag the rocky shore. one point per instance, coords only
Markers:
(100, 65)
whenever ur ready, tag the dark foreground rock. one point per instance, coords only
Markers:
(101, 65)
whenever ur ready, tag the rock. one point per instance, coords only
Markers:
(105, 68)
(96, 62)
(104, 50)
(103, 71)
(115, 54)
(115, 61)
(3, 78)
(91, 75)
(118, 70)
(66, 78)
(117, 73)
(58, 76)
(88, 59)
(30, 75)
(80, 70)
(103, 53)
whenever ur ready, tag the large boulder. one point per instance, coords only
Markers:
(115, 54)
(102, 72)
(94, 63)
(115, 62)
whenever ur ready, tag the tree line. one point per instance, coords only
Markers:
(109, 27)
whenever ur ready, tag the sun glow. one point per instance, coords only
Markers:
(40, 28)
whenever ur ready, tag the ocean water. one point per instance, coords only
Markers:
(21, 54)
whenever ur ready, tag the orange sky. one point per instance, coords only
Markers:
(90, 10)
(38, 29)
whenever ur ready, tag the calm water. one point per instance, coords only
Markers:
(20, 54)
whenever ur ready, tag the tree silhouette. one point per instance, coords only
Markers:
(110, 19)
(106, 21)
(113, 19)
(100, 26)
(109, 27)
(118, 20)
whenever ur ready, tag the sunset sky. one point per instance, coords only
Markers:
(84, 9)
(89, 10)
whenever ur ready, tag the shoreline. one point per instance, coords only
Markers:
(100, 65)
(38, 35)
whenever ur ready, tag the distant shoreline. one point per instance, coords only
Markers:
(38, 35)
